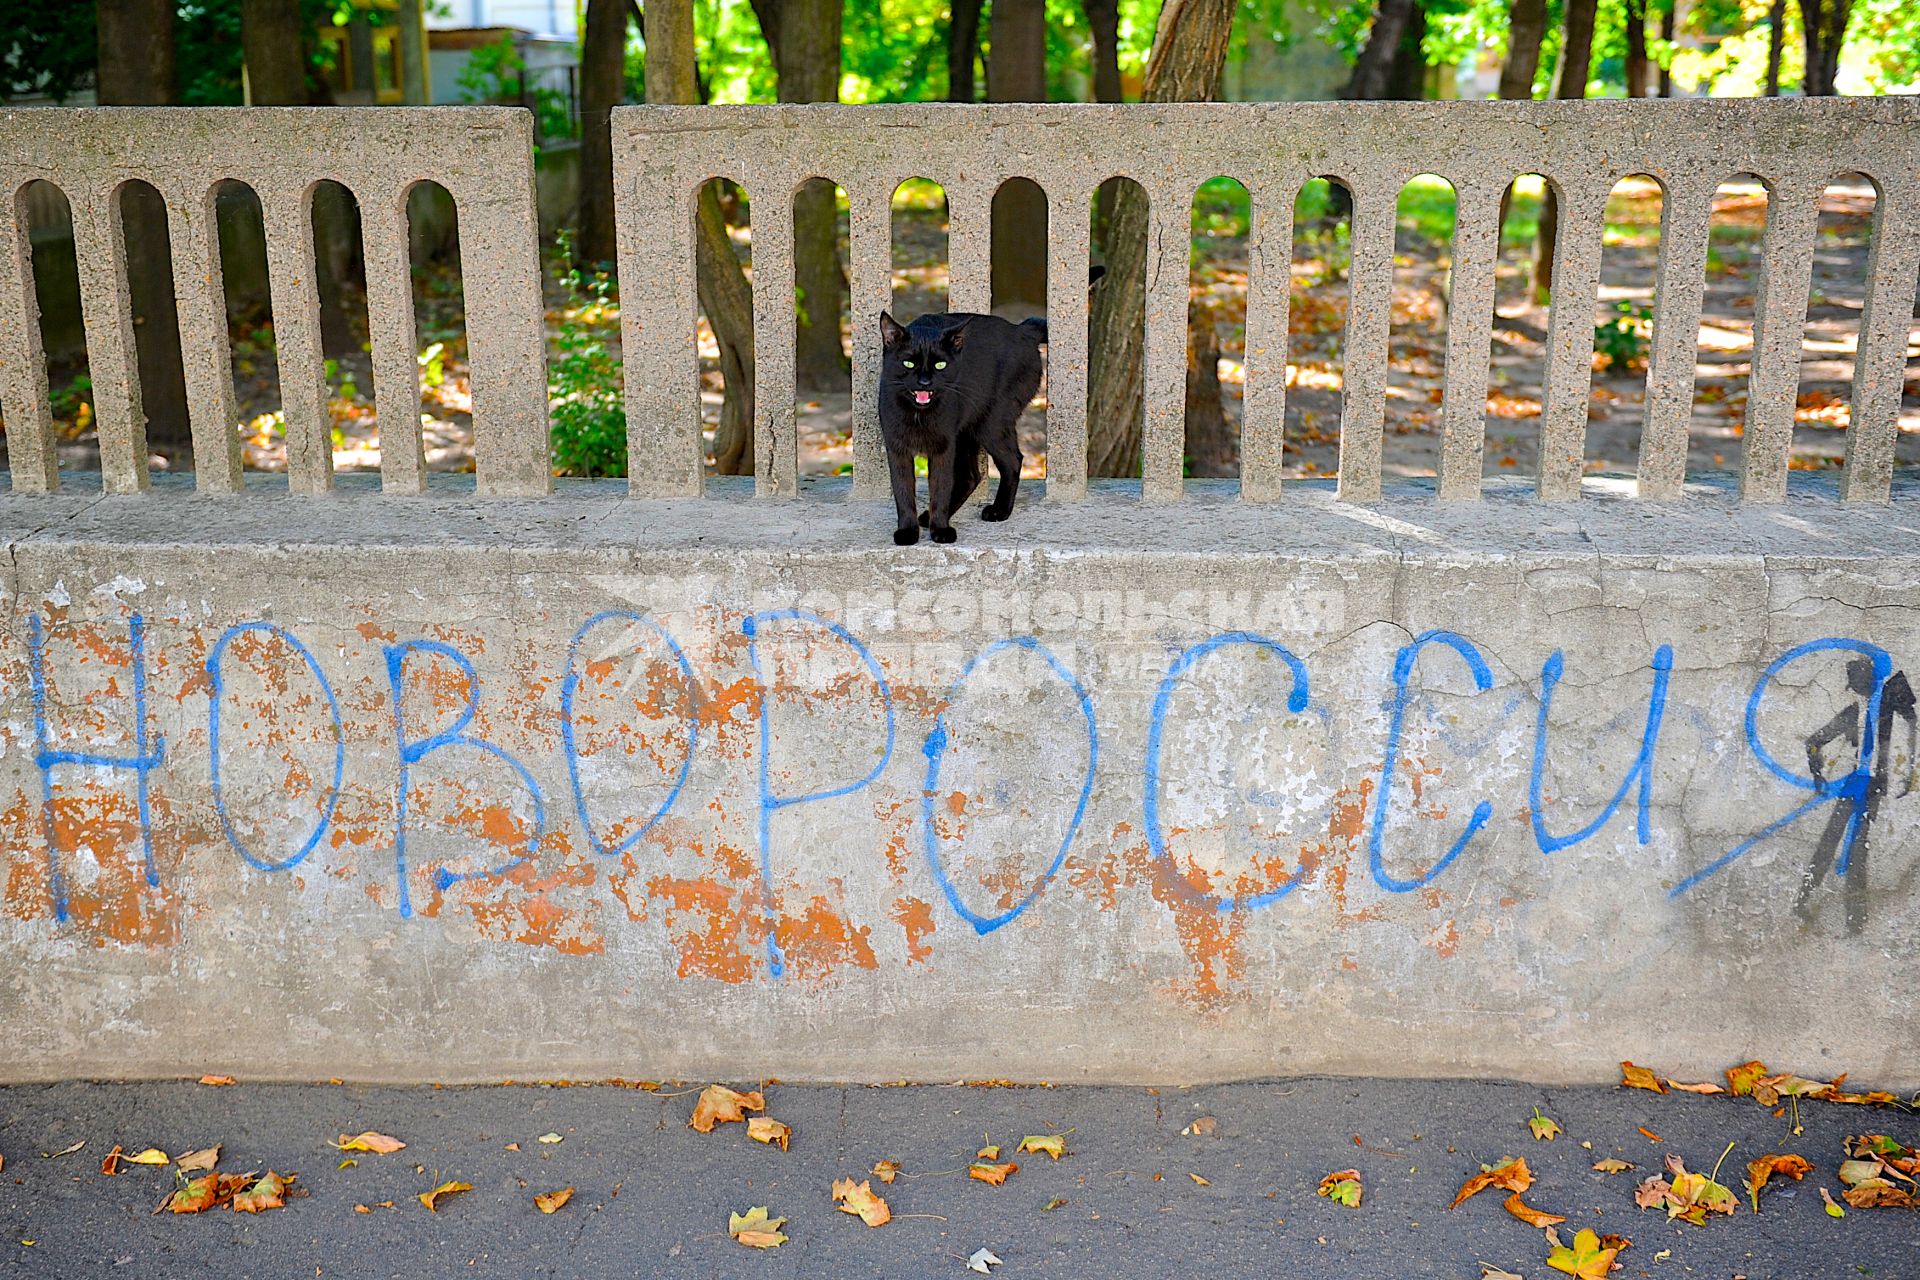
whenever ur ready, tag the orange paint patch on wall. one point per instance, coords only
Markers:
(525, 907)
(916, 917)
(820, 940)
(111, 901)
(710, 924)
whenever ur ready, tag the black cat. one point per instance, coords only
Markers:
(952, 385)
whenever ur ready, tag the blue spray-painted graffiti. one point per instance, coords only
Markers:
(770, 803)
(1403, 664)
(216, 676)
(569, 690)
(143, 761)
(936, 750)
(414, 750)
(1870, 678)
(1641, 772)
(1297, 700)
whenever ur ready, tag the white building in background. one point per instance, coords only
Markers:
(552, 19)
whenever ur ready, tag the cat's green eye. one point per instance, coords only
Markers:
(907, 363)
(939, 364)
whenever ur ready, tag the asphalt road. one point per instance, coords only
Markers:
(652, 1196)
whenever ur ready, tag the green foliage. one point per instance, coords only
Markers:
(1427, 208)
(589, 413)
(45, 49)
(1621, 342)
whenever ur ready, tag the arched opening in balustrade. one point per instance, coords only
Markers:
(142, 211)
(724, 339)
(823, 373)
(1424, 215)
(251, 352)
(1019, 275)
(47, 218)
(1317, 327)
(1830, 345)
(921, 260)
(1723, 356)
(1222, 220)
(340, 267)
(1117, 333)
(1517, 357)
(1623, 324)
(443, 411)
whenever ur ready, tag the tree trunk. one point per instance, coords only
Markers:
(1635, 17)
(270, 44)
(1526, 28)
(804, 37)
(1017, 72)
(1407, 78)
(1189, 53)
(136, 69)
(603, 75)
(1373, 73)
(963, 47)
(1824, 28)
(1669, 17)
(1776, 43)
(1103, 20)
(724, 293)
(1576, 64)
(1210, 444)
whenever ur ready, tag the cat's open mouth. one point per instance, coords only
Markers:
(923, 398)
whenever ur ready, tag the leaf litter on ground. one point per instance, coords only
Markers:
(1758, 1171)
(1587, 1258)
(1691, 1196)
(1509, 1175)
(755, 1229)
(377, 1143)
(768, 1130)
(721, 1105)
(1875, 1168)
(862, 1202)
(1342, 1186)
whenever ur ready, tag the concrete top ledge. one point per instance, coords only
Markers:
(597, 517)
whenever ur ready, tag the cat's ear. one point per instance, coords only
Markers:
(891, 332)
(956, 337)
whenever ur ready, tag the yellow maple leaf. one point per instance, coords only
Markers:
(378, 1143)
(551, 1201)
(862, 1201)
(767, 1129)
(431, 1198)
(1052, 1144)
(755, 1229)
(1632, 1077)
(1585, 1260)
(991, 1174)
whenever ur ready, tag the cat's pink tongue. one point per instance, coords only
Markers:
(923, 397)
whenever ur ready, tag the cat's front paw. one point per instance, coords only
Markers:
(945, 534)
(907, 535)
(994, 515)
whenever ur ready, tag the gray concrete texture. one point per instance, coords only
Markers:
(580, 787)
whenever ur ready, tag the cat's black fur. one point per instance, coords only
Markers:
(951, 385)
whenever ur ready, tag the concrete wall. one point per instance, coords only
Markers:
(953, 818)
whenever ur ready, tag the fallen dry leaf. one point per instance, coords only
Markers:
(1490, 1272)
(886, 1170)
(861, 1202)
(1586, 1259)
(550, 1201)
(110, 1166)
(1611, 1165)
(64, 1151)
(1633, 1077)
(431, 1198)
(205, 1158)
(1691, 1196)
(1202, 1127)
(1533, 1217)
(1199, 1180)
(991, 1174)
(755, 1229)
(1544, 1129)
(1869, 1175)
(1833, 1210)
(1768, 1090)
(1758, 1171)
(1650, 1134)
(1509, 1175)
(216, 1080)
(550, 1138)
(152, 1155)
(197, 1196)
(767, 1129)
(1343, 1187)
(1704, 1087)
(378, 1143)
(983, 1259)
(268, 1192)
(987, 1153)
(1051, 1144)
(721, 1105)
(1741, 1079)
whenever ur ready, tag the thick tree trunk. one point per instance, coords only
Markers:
(1103, 21)
(1017, 72)
(963, 48)
(1824, 28)
(724, 293)
(1576, 65)
(1635, 16)
(804, 37)
(270, 44)
(1407, 79)
(1776, 44)
(1210, 443)
(1189, 53)
(603, 70)
(1373, 73)
(1526, 28)
(136, 69)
